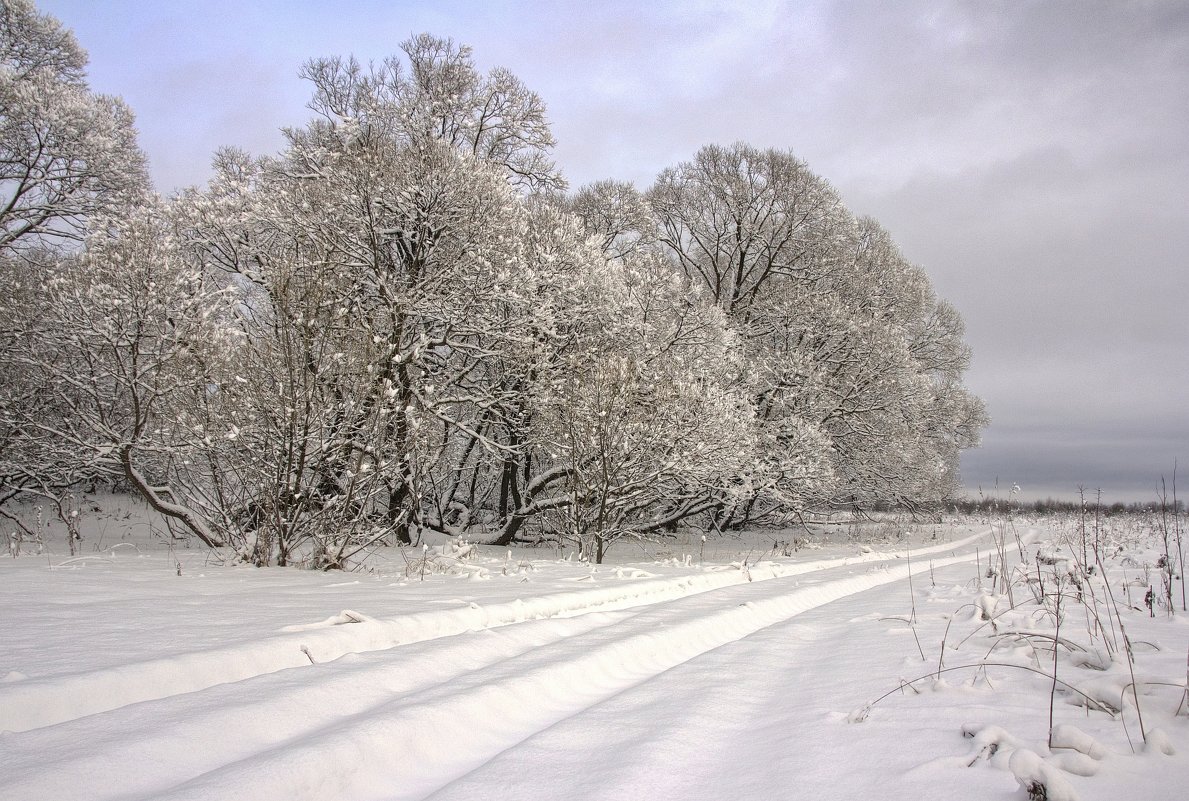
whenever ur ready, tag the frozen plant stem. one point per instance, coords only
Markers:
(911, 594)
(1126, 645)
(941, 653)
(1097, 524)
(1005, 588)
(1082, 523)
(912, 597)
(1176, 517)
(1167, 560)
(1091, 703)
(1053, 688)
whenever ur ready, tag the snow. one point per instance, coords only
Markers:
(146, 670)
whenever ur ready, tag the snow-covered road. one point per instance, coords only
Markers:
(668, 686)
(761, 717)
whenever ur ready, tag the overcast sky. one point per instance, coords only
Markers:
(1033, 157)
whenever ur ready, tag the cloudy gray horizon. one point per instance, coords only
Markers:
(1032, 157)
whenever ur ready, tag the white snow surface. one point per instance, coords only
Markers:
(145, 671)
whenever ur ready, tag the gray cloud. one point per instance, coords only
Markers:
(1127, 464)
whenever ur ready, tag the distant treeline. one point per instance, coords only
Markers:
(1055, 506)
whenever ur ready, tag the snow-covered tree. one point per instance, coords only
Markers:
(65, 152)
(617, 215)
(66, 155)
(399, 323)
(383, 280)
(742, 221)
(646, 414)
(112, 348)
(858, 368)
(436, 94)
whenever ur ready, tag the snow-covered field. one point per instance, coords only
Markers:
(894, 667)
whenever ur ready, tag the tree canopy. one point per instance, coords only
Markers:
(402, 322)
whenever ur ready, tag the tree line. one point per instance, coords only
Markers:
(405, 321)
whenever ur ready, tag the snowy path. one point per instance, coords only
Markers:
(762, 717)
(59, 698)
(403, 722)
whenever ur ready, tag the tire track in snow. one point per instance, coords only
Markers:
(759, 718)
(154, 746)
(51, 700)
(276, 709)
(417, 744)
